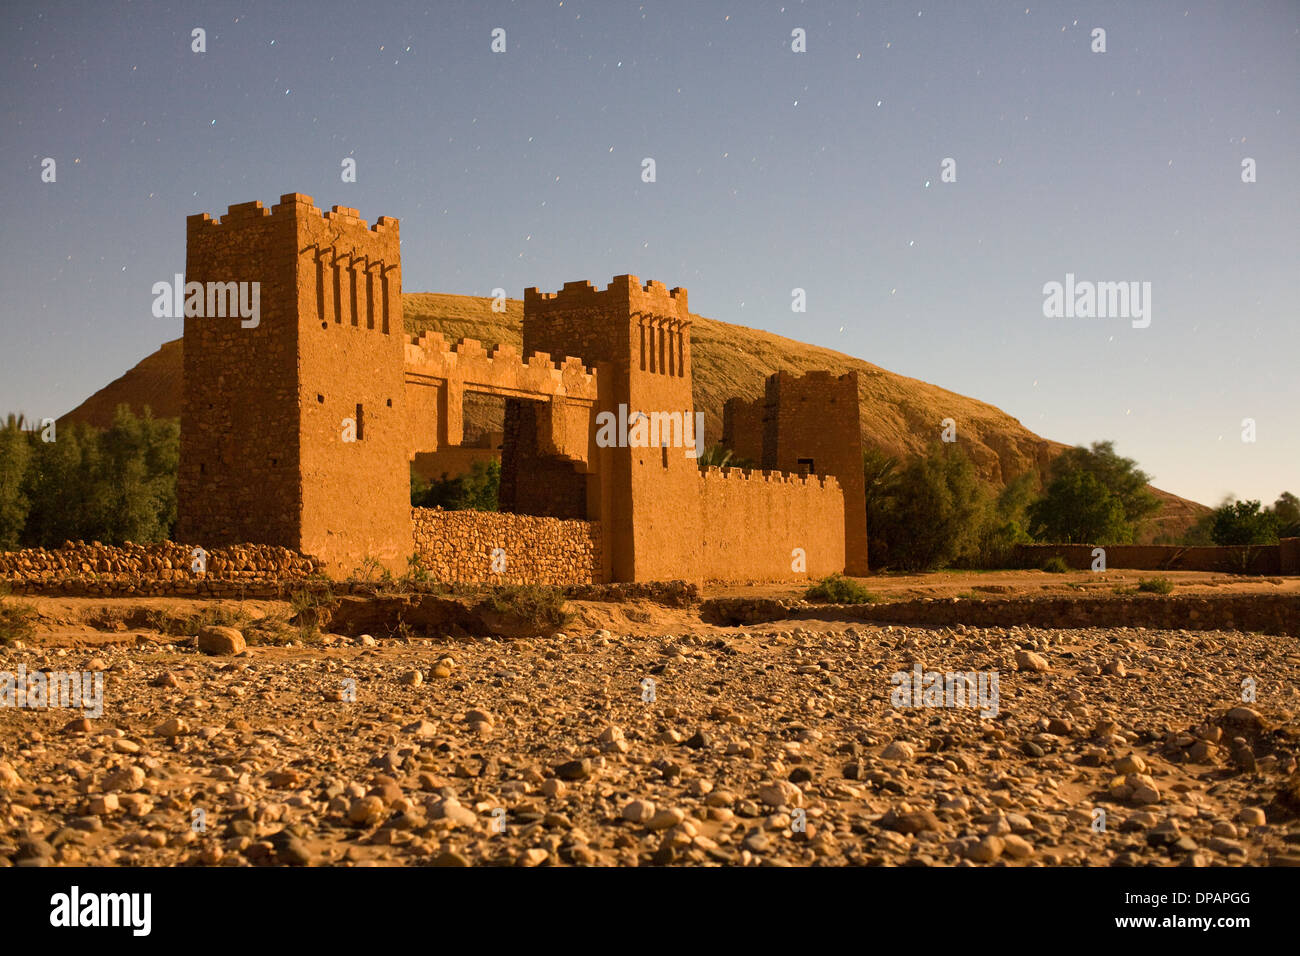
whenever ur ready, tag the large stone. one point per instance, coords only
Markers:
(220, 640)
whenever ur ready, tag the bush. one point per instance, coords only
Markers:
(837, 589)
(1056, 565)
(1155, 585)
(530, 605)
(15, 618)
(477, 490)
(930, 514)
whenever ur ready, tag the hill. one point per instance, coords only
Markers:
(900, 415)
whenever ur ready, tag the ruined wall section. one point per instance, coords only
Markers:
(238, 478)
(752, 522)
(459, 546)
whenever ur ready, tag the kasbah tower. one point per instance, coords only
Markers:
(263, 454)
(299, 430)
(639, 338)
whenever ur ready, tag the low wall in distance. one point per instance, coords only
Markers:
(1259, 559)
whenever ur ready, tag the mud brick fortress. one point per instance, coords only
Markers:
(300, 431)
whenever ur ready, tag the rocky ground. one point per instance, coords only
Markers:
(770, 745)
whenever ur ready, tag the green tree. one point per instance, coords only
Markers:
(1243, 523)
(15, 458)
(933, 511)
(114, 485)
(1095, 497)
(1287, 509)
(1005, 522)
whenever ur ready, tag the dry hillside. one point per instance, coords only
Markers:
(899, 415)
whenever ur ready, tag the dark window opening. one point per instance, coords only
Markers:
(806, 466)
(321, 399)
(361, 422)
(664, 449)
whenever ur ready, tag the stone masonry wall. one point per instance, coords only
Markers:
(457, 546)
(81, 568)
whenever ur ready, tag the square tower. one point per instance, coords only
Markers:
(647, 497)
(293, 428)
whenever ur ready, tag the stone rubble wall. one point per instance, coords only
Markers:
(155, 569)
(457, 547)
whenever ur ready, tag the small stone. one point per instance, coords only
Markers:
(1017, 846)
(783, 793)
(1030, 661)
(125, 778)
(450, 858)
(365, 810)
(987, 850)
(172, 727)
(412, 679)
(1252, 817)
(899, 750)
(639, 811)
(534, 857)
(79, 725)
(665, 818)
(103, 803)
(1131, 764)
(574, 770)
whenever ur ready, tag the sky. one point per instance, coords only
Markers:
(774, 170)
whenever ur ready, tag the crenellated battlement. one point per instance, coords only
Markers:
(623, 292)
(432, 349)
(293, 205)
(760, 476)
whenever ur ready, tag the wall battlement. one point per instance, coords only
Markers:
(621, 291)
(825, 482)
(292, 205)
(432, 348)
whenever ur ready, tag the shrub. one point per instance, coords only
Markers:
(837, 589)
(1155, 585)
(1056, 565)
(531, 605)
(15, 618)
(478, 489)
(930, 514)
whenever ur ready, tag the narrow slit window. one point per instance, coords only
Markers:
(361, 422)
